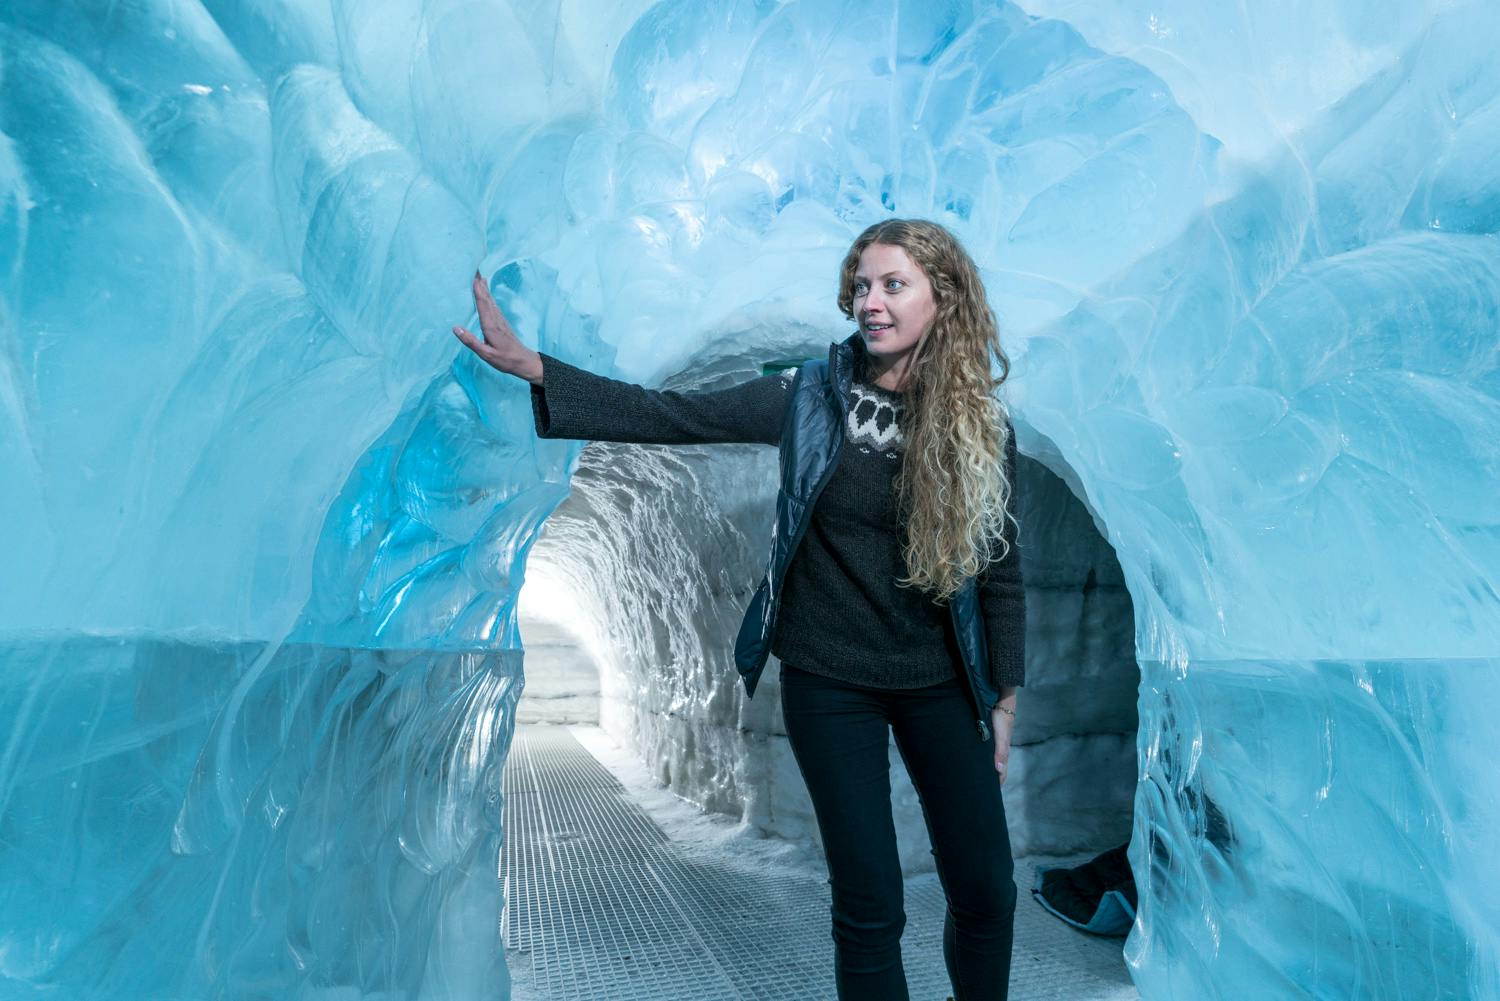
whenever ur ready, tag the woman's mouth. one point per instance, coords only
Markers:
(877, 328)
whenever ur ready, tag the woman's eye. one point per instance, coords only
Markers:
(893, 283)
(859, 288)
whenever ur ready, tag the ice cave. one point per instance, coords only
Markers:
(290, 570)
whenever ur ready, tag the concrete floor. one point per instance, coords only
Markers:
(604, 903)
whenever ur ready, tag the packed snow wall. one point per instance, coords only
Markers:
(266, 529)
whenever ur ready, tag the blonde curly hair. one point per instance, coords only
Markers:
(952, 492)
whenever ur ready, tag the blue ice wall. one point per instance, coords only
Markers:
(264, 531)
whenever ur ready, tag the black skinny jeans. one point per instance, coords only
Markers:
(839, 736)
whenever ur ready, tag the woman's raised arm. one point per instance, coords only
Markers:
(570, 402)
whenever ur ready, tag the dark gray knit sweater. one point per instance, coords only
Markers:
(842, 614)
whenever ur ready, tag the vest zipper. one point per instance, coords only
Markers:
(833, 462)
(979, 723)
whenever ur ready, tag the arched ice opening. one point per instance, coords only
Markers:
(662, 547)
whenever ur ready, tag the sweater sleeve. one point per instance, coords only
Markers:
(1002, 599)
(574, 403)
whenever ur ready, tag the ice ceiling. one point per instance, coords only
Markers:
(267, 528)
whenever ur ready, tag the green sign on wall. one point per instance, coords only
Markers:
(772, 367)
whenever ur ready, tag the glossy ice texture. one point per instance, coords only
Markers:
(265, 525)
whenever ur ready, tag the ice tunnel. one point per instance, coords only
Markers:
(269, 524)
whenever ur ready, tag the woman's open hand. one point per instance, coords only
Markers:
(500, 348)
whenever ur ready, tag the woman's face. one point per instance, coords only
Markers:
(893, 302)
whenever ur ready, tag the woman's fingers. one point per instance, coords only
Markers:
(496, 343)
(481, 292)
(469, 340)
(492, 322)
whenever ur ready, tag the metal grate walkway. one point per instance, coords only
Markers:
(601, 904)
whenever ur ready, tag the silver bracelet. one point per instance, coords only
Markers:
(1009, 712)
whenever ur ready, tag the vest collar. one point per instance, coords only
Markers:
(844, 359)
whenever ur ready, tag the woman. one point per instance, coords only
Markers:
(894, 598)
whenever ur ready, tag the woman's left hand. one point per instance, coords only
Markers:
(1000, 724)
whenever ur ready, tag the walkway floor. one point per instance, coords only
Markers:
(603, 904)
